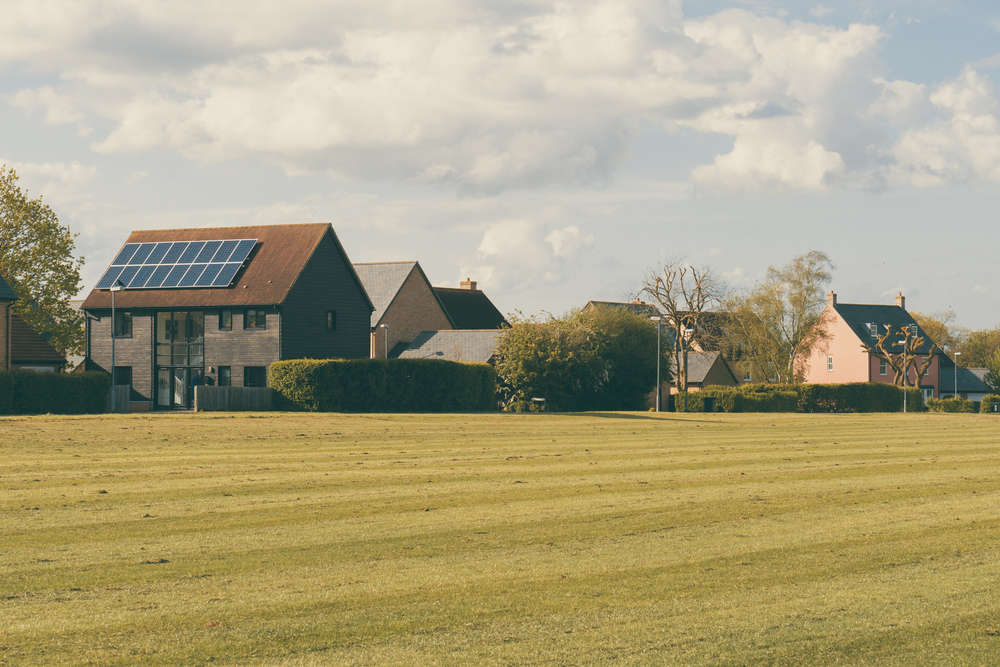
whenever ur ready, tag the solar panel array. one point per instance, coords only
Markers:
(172, 264)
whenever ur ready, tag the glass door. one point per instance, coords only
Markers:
(180, 388)
(163, 387)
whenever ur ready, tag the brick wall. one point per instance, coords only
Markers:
(414, 309)
(136, 351)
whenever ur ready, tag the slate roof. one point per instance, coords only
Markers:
(28, 347)
(383, 280)
(6, 293)
(469, 309)
(455, 345)
(858, 316)
(970, 381)
(699, 365)
(281, 254)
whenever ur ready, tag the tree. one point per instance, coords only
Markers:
(604, 359)
(36, 259)
(901, 352)
(939, 328)
(684, 295)
(993, 376)
(776, 323)
(978, 347)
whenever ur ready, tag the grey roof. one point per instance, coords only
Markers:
(469, 345)
(6, 293)
(469, 308)
(858, 316)
(382, 281)
(970, 381)
(700, 364)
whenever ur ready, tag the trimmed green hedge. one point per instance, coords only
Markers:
(950, 405)
(850, 397)
(378, 385)
(27, 392)
(990, 404)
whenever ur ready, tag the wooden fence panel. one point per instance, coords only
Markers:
(233, 399)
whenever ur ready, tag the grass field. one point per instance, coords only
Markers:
(632, 538)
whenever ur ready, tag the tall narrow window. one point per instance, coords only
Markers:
(225, 320)
(225, 376)
(829, 363)
(883, 367)
(122, 324)
(331, 320)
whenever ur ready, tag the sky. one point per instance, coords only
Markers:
(555, 152)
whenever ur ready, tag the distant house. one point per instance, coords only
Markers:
(21, 347)
(970, 382)
(839, 357)
(466, 345)
(636, 307)
(469, 308)
(218, 305)
(405, 305)
(708, 369)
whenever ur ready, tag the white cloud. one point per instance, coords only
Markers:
(567, 241)
(820, 11)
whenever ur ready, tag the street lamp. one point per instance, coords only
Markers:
(386, 327)
(659, 323)
(957, 355)
(906, 369)
(117, 287)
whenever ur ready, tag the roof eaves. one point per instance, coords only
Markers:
(396, 295)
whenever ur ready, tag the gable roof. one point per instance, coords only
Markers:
(858, 316)
(455, 345)
(700, 365)
(28, 346)
(469, 308)
(281, 254)
(970, 381)
(637, 307)
(383, 280)
(6, 293)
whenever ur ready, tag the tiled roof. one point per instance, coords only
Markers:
(280, 256)
(6, 293)
(382, 281)
(858, 316)
(469, 308)
(970, 381)
(27, 346)
(455, 345)
(700, 364)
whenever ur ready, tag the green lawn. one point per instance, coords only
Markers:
(632, 538)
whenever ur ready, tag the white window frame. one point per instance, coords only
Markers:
(829, 362)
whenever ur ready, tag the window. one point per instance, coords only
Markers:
(883, 367)
(225, 376)
(331, 320)
(255, 319)
(225, 320)
(255, 376)
(122, 376)
(122, 324)
(829, 363)
(873, 330)
(746, 377)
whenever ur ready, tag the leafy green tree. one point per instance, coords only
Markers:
(993, 377)
(978, 347)
(775, 323)
(600, 359)
(940, 328)
(36, 259)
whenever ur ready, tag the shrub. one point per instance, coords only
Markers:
(850, 397)
(990, 404)
(950, 405)
(378, 385)
(27, 392)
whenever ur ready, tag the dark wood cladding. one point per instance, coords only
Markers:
(239, 347)
(326, 283)
(136, 351)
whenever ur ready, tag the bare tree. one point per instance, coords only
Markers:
(683, 293)
(900, 349)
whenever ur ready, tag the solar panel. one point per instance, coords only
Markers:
(169, 264)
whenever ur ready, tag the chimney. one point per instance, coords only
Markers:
(831, 298)
(468, 284)
(901, 301)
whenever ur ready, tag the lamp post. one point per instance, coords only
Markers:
(386, 327)
(117, 287)
(906, 368)
(957, 355)
(659, 321)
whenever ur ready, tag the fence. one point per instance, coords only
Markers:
(233, 399)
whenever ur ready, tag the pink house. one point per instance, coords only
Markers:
(839, 357)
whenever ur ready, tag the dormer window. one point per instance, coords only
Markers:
(873, 330)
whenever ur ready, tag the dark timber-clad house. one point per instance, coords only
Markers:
(218, 305)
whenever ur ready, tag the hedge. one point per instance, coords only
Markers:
(850, 397)
(378, 385)
(950, 405)
(28, 392)
(990, 404)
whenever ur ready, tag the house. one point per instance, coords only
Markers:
(466, 345)
(970, 383)
(839, 357)
(707, 369)
(21, 347)
(218, 305)
(469, 308)
(405, 305)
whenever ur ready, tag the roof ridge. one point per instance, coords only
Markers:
(193, 229)
(395, 261)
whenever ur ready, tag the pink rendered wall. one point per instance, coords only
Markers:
(850, 362)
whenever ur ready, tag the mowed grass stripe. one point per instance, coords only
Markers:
(548, 539)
